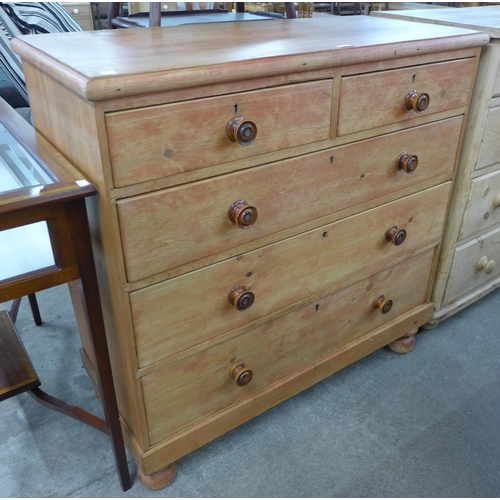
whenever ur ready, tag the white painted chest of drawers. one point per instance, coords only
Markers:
(469, 267)
(235, 275)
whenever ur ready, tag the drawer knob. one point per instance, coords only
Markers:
(485, 265)
(407, 162)
(417, 101)
(242, 214)
(382, 304)
(76, 11)
(241, 131)
(496, 201)
(395, 236)
(241, 298)
(241, 374)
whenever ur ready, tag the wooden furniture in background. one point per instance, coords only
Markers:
(56, 197)
(469, 267)
(157, 15)
(81, 12)
(270, 210)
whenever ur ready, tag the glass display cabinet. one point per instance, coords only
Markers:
(44, 242)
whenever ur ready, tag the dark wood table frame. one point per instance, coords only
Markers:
(62, 206)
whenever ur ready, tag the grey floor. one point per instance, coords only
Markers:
(425, 424)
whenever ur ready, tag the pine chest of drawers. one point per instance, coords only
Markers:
(469, 267)
(272, 200)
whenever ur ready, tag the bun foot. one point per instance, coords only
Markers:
(430, 326)
(157, 480)
(404, 344)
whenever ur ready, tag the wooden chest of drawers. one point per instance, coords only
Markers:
(271, 203)
(469, 267)
(81, 12)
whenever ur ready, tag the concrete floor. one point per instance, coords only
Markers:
(425, 424)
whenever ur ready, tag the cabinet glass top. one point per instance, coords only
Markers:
(18, 168)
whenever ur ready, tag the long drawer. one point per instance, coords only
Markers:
(279, 348)
(169, 139)
(179, 313)
(159, 229)
(474, 264)
(374, 99)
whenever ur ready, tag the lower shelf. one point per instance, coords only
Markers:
(17, 374)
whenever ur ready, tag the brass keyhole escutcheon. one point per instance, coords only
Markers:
(382, 304)
(395, 235)
(241, 131)
(416, 101)
(241, 374)
(242, 214)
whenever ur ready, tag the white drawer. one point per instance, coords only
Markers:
(483, 206)
(489, 152)
(466, 273)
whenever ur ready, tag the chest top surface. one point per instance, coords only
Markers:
(138, 61)
(486, 18)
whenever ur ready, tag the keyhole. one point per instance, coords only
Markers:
(235, 108)
(414, 78)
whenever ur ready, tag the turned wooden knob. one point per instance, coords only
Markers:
(241, 131)
(240, 297)
(382, 304)
(407, 162)
(241, 374)
(395, 236)
(485, 265)
(496, 201)
(242, 214)
(417, 101)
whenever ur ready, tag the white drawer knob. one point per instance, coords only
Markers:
(486, 265)
(165, 7)
(496, 201)
(76, 11)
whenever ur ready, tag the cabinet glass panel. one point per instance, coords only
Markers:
(18, 168)
(25, 249)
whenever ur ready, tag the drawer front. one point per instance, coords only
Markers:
(496, 86)
(278, 349)
(77, 10)
(375, 99)
(85, 23)
(169, 139)
(489, 152)
(483, 206)
(158, 229)
(177, 314)
(469, 270)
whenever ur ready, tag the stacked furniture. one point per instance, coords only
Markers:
(469, 267)
(272, 199)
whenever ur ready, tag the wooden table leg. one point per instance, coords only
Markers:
(92, 304)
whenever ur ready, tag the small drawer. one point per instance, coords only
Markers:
(179, 313)
(169, 139)
(77, 10)
(279, 348)
(159, 229)
(85, 23)
(483, 206)
(489, 152)
(474, 264)
(376, 99)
